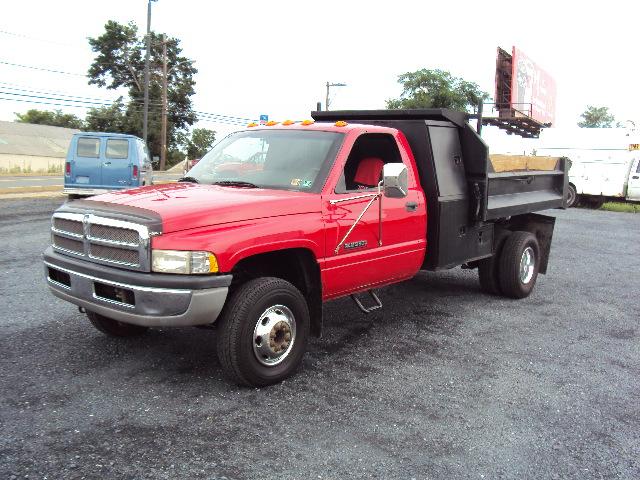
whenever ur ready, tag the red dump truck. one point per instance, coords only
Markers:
(341, 206)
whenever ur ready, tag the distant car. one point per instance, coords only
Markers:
(189, 164)
(103, 162)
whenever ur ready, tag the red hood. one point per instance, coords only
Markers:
(186, 205)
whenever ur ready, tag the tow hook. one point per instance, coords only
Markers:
(82, 310)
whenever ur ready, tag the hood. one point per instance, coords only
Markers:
(182, 206)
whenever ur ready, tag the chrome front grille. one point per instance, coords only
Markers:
(121, 235)
(101, 240)
(70, 226)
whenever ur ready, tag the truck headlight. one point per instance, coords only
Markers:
(185, 262)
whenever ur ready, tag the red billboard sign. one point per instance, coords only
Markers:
(533, 91)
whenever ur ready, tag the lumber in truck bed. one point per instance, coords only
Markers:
(466, 192)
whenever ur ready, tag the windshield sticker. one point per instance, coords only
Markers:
(307, 183)
(295, 182)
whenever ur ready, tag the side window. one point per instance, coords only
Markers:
(117, 148)
(638, 168)
(363, 169)
(88, 147)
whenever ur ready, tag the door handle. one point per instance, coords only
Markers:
(107, 163)
(411, 206)
(635, 177)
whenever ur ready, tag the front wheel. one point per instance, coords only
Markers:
(262, 333)
(114, 328)
(519, 264)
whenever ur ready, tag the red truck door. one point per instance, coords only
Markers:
(359, 261)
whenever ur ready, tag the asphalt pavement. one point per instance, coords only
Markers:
(445, 382)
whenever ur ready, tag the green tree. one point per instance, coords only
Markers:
(596, 117)
(200, 142)
(436, 89)
(47, 117)
(119, 63)
(108, 119)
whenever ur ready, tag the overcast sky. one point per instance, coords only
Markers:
(274, 57)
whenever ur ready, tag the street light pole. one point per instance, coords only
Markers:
(329, 85)
(145, 114)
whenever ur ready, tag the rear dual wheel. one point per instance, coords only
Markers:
(513, 270)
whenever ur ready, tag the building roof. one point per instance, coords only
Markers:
(37, 140)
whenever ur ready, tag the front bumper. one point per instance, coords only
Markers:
(146, 299)
(86, 191)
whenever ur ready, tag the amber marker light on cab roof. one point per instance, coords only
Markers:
(252, 124)
(307, 122)
(288, 122)
(340, 123)
(271, 123)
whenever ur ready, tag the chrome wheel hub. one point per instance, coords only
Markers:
(527, 265)
(274, 335)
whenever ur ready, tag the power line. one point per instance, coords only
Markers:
(41, 69)
(20, 35)
(62, 94)
(75, 99)
(211, 117)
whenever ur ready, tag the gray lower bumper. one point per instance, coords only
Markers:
(147, 306)
(86, 191)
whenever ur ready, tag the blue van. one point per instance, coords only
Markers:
(102, 162)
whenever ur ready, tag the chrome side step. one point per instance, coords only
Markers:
(374, 297)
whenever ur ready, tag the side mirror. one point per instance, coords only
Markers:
(395, 182)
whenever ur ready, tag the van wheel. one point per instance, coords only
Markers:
(114, 328)
(519, 264)
(262, 332)
(572, 196)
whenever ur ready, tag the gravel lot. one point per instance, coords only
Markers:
(445, 382)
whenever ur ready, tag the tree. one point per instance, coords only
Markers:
(596, 117)
(108, 119)
(436, 89)
(200, 142)
(47, 117)
(119, 62)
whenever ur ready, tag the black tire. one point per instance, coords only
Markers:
(572, 196)
(114, 328)
(238, 325)
(512, 283)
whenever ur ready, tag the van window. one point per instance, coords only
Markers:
(117, 148)
(88, 147)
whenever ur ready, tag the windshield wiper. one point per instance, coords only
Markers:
(235, 183)
(188, 179)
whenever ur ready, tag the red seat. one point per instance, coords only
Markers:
(369, 171)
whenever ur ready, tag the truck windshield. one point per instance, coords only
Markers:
(280, 159)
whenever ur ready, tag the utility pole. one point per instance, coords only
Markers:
(329, 85)
(145, 114)
(163, 134)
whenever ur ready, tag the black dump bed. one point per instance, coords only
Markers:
(465, 193)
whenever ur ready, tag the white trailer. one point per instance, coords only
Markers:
(605, 162)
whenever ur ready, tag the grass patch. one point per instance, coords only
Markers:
(621, 207)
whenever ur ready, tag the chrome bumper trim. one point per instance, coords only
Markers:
(154, 307)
